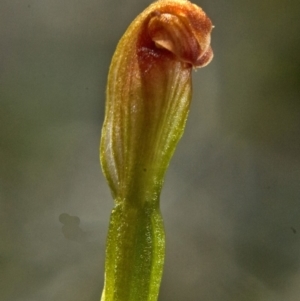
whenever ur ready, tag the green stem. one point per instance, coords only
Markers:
(134, 253)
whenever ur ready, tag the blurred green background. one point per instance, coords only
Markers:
(231, 200)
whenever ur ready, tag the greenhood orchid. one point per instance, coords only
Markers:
(148, 98)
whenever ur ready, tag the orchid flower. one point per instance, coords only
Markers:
(148, 94)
